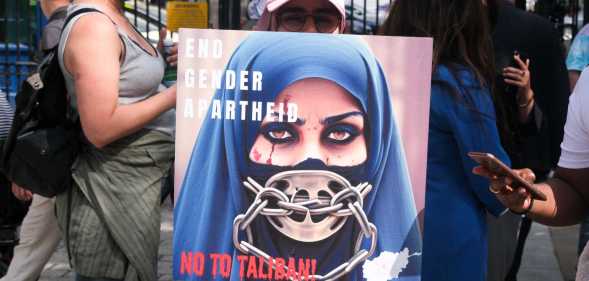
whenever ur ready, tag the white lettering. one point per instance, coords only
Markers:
(217, 79)
(217, 48)
(190, 48)
(216, 114)
(188, 108)
(203, 48)
(280, 112)
(202, 78)
(230, 80)
(189, 78)
(203, 105)
(257, 81)
(293, 111)
(270, 111)
(229, 110)
(257, 111)
(243, 105)
(243, 81)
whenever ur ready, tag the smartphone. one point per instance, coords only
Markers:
(495, 165)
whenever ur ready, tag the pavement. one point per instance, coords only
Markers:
(540, 261)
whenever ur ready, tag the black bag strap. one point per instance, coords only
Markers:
(76, 13)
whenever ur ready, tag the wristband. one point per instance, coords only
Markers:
(527, 103)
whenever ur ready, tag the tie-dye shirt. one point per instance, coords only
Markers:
(578, 57)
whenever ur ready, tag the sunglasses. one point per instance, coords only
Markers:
(294, 20)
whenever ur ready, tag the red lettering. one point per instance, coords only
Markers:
(192, 263)
(304, 267)
(261, 274)
(280, 273)
(225, 265)
(215, 258)
(186, 263)
(292, 272)
(241, 260)
(270, 268)
(199, 263)
(251, 268)
(314, 268)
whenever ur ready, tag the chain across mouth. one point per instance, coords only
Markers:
(308, 206)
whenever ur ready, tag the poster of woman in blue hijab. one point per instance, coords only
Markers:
(300, 156)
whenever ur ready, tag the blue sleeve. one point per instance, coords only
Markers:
(578, 57)
(473, 127)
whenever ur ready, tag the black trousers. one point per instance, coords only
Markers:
(524, 230)
(12, 211)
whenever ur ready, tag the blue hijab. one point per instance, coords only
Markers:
(212, 192)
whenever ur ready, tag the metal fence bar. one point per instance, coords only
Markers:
(147, 8)
(585, 12)
(17, 19)
(377, 13)
(365, 16)
(5, 64)
(159, 15)
(575, 8)
(352, 16)
(135, 10)
(146, 16)
(18, 44)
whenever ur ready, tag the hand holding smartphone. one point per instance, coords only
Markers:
(491, 163)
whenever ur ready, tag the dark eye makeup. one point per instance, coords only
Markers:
(340, 133)
(279, 132)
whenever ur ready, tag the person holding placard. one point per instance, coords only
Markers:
(462, 119)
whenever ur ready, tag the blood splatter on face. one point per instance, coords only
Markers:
(256, 154)
(285, 103)
(269, 161)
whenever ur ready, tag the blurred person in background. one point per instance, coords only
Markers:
(462, 119)
(531, 99)
(578, 56)
(303, 16)
(12, 210)
(319, 16)
(39, 233)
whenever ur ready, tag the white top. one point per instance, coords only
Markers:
(575, 147)
(575, 144)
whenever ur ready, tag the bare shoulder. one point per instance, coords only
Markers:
(93, 40)
(93, 29)
(93, 26)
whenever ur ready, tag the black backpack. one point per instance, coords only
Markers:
(45, 135)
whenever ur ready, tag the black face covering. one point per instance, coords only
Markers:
(261, 173)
